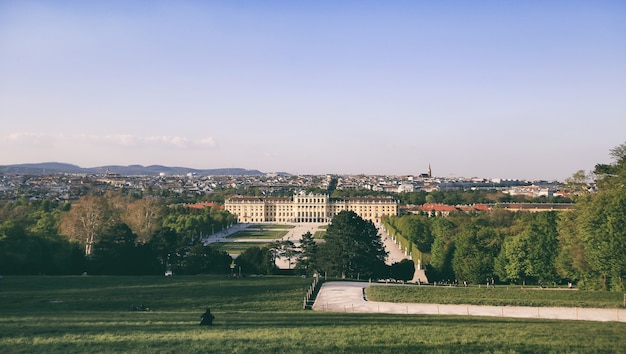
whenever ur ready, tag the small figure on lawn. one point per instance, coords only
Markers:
(139, 308)
(207, 318)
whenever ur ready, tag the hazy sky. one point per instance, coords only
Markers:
(506, 89)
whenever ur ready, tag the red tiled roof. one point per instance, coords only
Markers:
(203, 205)
(437, 207)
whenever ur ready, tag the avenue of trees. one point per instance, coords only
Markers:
(586, 246)
(352, 248)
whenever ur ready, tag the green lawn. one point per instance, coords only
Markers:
(319, 235)
(253, 315)
(270, 226)
(259, 234)
(237, 247)
(498, 296)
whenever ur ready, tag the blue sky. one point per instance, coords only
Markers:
(496, 89)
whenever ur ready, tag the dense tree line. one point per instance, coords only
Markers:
(30, 242)
(114, 233)
(586, 246)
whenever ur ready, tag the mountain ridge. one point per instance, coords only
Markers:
(43, 168)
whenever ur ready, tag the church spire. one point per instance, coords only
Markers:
(430, 173)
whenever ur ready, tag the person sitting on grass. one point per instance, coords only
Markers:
(139, 308)
(207, 318)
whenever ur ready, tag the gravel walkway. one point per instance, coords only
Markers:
(350, 297)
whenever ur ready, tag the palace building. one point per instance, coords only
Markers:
(307, 208)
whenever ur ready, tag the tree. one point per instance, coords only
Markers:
(578, 183)
(114, 253)
(571, 261)
(286, 249)
(30, 242)
(418, 232)
(442, 250)
(257, 260)
(510, 264)
(308, 252)
(602, 224)
(143, 216)
(611, 176)
(86, 218)
(476, 247)
(165, 246)
(600, 227)
(352, 248)
(403, 270)
(542, 241)
(204, 259)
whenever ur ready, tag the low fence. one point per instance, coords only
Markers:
(311, 294)
(556, 313)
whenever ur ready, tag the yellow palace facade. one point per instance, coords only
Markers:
(307, 208)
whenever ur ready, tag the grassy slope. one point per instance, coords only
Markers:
(89, 314)
(499, 296)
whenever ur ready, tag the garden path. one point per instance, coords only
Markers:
(346, 296)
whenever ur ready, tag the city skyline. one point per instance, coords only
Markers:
(496, 90)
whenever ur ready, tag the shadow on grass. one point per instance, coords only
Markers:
(297, 332)
(253, 315)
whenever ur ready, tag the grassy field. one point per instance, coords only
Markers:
(253, 315)
(498, 296)
(259, 234)
(237, 247)
(270, 226)
(319, 235)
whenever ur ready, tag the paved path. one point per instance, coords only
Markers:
(350, 297)
(221, 236)
(396, 254)
(294, 234)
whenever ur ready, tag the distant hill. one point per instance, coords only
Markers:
(42, 168)
(132, 170)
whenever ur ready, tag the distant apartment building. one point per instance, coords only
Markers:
(307, 208)
(530, 191)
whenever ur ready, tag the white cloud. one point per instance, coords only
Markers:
(110, 140)
(210, 142)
